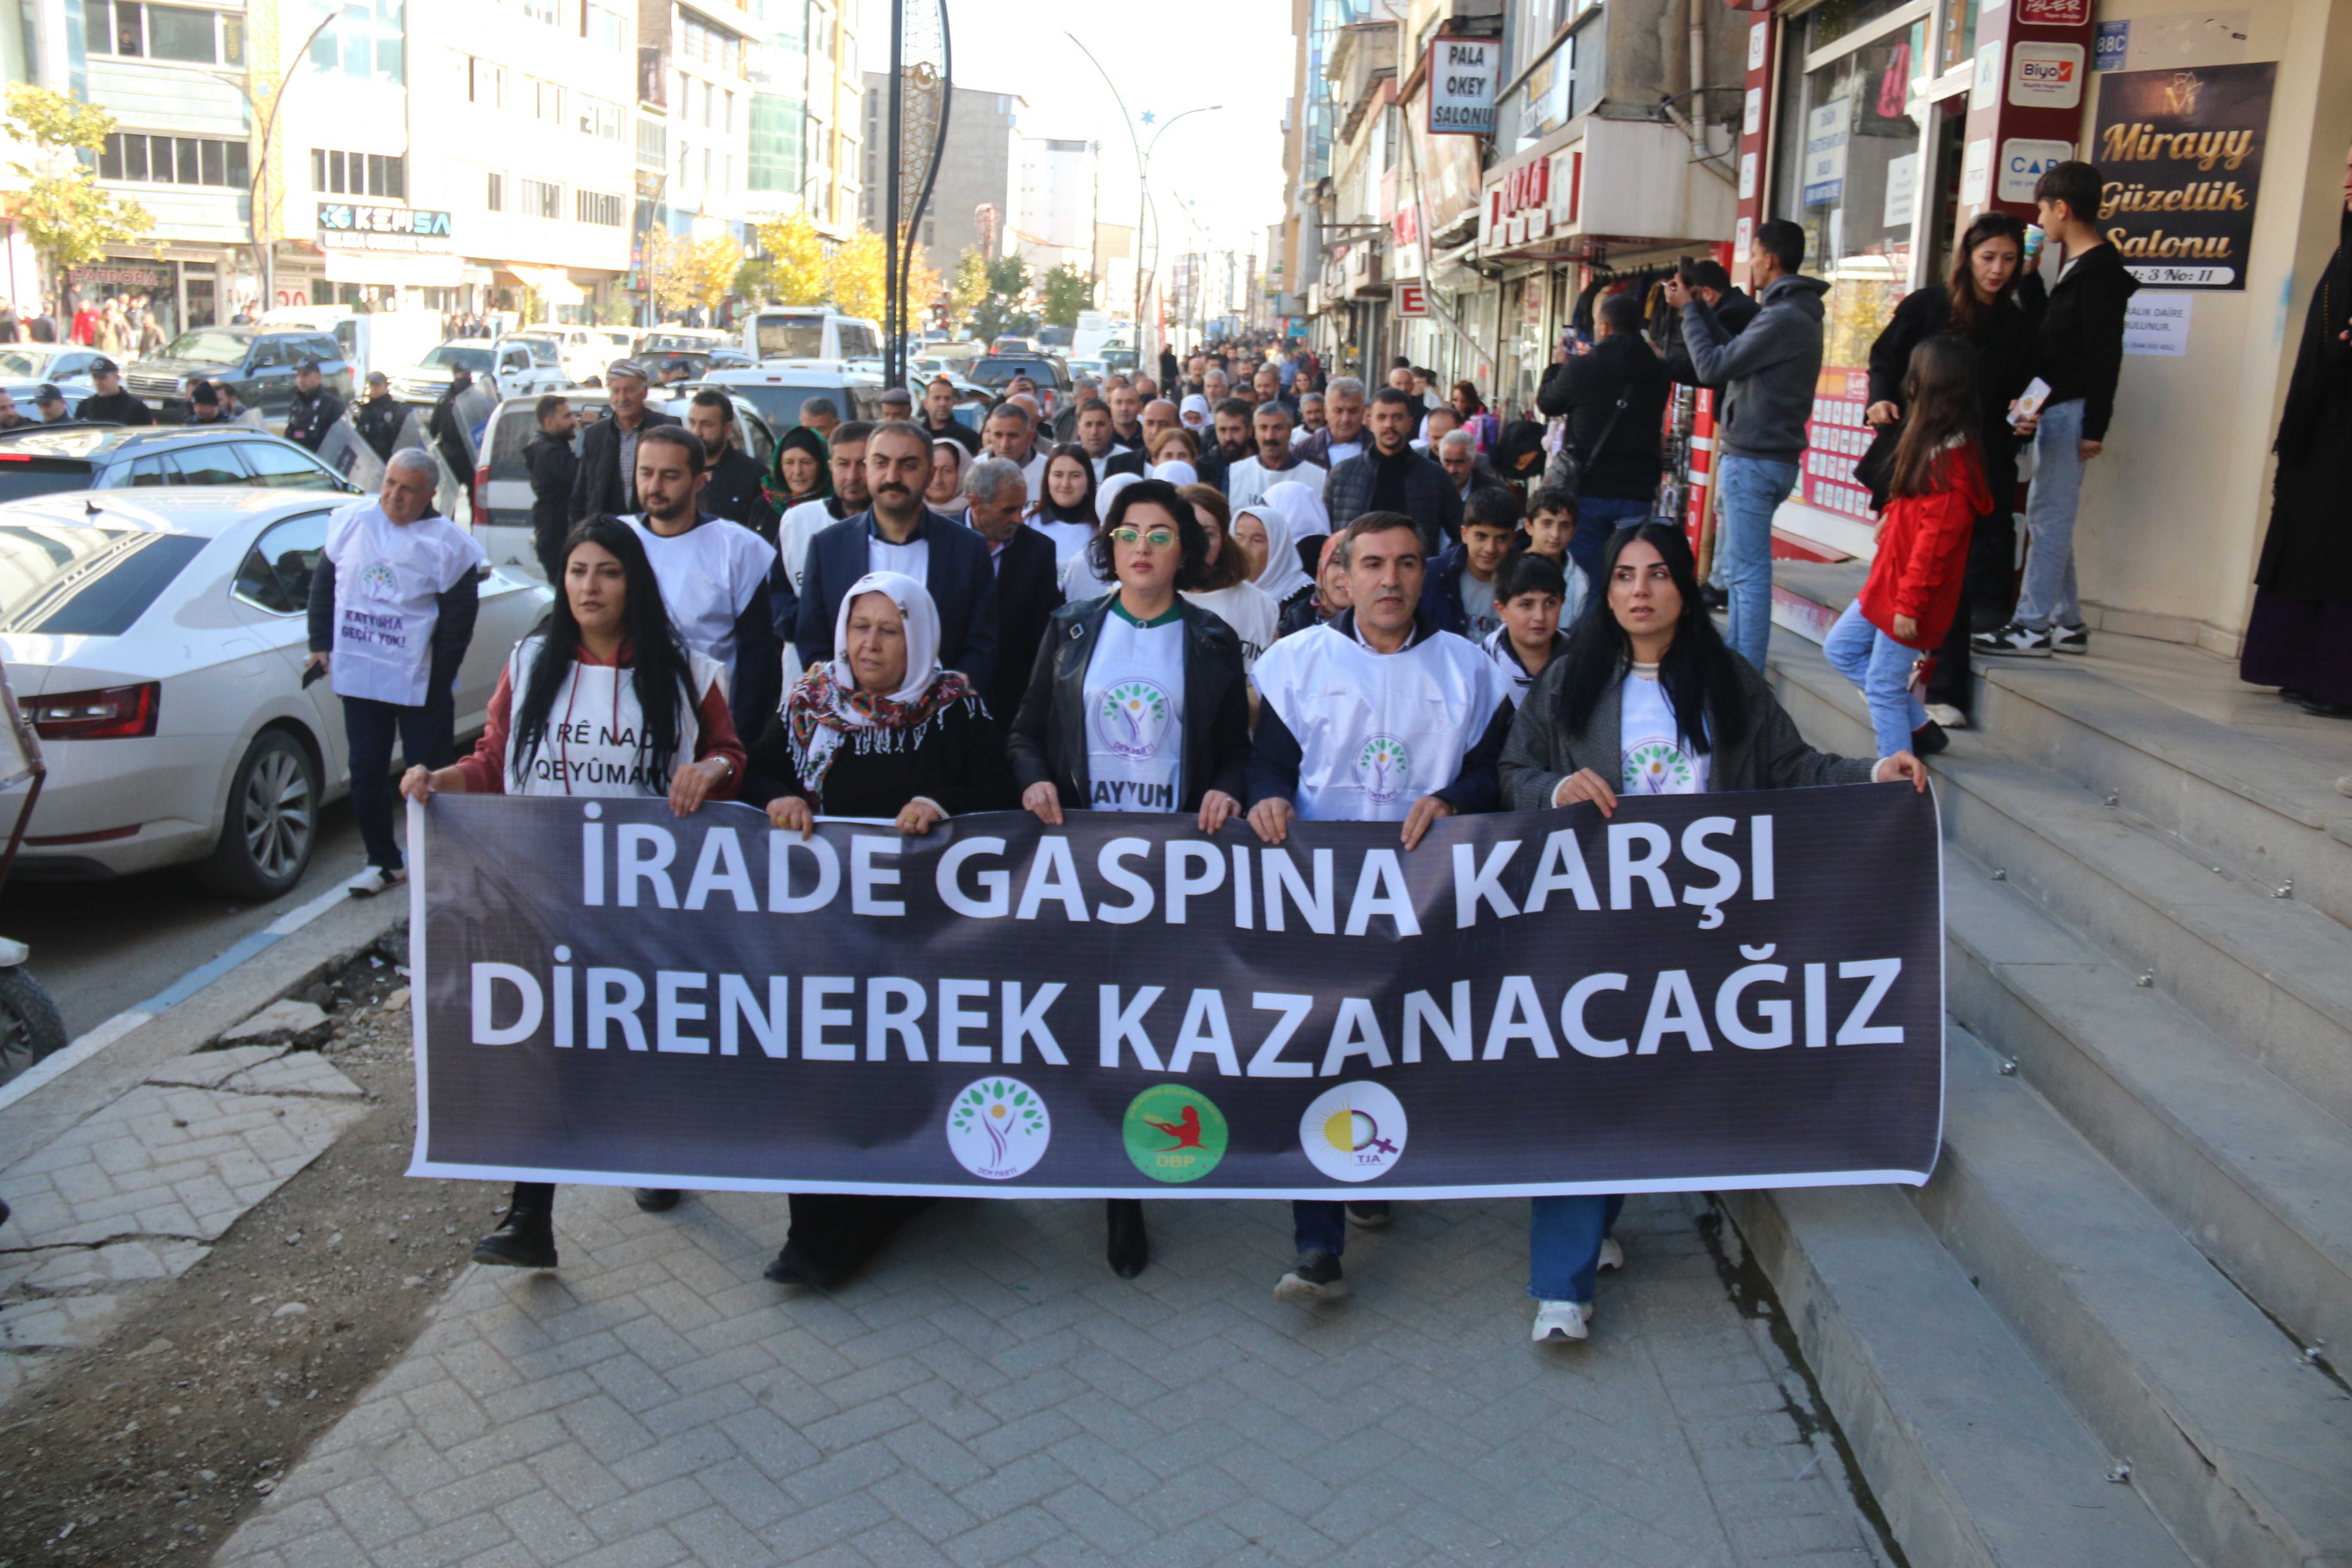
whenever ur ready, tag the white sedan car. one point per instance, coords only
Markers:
(156, 640)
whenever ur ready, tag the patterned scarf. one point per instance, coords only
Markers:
(823, 710)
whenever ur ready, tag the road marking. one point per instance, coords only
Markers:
(180, 990)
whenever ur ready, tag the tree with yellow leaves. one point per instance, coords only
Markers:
(712, 266)
(796, 270)
(858, 287)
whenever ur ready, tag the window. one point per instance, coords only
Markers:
(549, 12)
(603, 25)
(597, 206)
(364, 42)
(129, 155)
(278, 465)
(547, 99)
(726, 173)
(275, 575)
(599, 118)
(486, 83)
(652, 143)
(335, 172)
(215, 464)
(494, 195)
(685, 161)
(542, 198)
(164, 33)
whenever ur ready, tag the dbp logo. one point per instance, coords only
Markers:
(1381, 768)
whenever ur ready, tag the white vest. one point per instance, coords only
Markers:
(709, 576)
(594, 742)
(1376, 731)
(388, 583)
(800, 524)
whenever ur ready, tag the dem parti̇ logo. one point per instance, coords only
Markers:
(1134, 717)
(1381, 766)
(997, 1128)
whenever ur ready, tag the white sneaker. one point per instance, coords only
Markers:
(1950, 717)
(1562, 1320)
(374, 880)
(1612, 1255)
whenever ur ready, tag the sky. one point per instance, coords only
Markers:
(1226, 166)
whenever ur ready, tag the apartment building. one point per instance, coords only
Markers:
(976, 194)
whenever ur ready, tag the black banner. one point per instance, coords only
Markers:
(2181, 152)
(1711, 991)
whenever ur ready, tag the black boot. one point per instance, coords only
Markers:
(796, 1265)
(525, 1235)
(1128, 1246)
(657, 1200)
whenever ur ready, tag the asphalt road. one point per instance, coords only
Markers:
(100, 947)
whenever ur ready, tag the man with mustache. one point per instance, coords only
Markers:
(899, 533)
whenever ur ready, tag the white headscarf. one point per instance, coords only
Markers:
(1193, 404)
(1302, 509)
(1176, 471)
(844, 712)
(1282, 577)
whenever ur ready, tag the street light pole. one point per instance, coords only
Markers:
(1142, 173)
(263, 256)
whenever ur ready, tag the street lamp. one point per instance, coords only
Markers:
(1142, 173)
(263, 256)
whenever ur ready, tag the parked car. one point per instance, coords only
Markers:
(778, 388)
(428, 378)
(371, 340)
(528, 363)
(51, 459)
(156, 642)
(809, 333)
(502, 484)
(64, 366)
(257, 362)
(995, 372)
(686, 340)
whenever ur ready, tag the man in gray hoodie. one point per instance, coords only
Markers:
(1767, 374)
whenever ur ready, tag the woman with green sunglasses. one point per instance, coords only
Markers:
(1138, 703)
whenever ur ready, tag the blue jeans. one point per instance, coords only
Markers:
(2048, 597)
(1564, 1237)
(1882, 667)
(1753, 489)
(1598, 517)
(1317, 1225)
(427, 735)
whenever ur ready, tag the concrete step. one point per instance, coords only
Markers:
(2257, 1176)
(2237, 1440)
(1976, 1458)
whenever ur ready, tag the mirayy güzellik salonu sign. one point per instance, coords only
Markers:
(2181, 155)
(1707, 992)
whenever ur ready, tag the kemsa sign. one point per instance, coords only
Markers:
(1463, 76)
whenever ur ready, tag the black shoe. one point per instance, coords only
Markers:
(1713, 597)
(1928, 739)
(1369, 1216)
(2312, 705)
(658, 1200)
(794, 1266)
(1315, 1277)
(1128, 1246)
(2289, 694)
(525, 1239)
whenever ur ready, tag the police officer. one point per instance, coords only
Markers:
(111, 404)
(314, 410)
(51, 403)
(379, 415)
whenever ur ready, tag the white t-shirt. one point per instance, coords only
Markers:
(389, 578)
(1340, 451)
(1247, 481)
(1069, 538)
(1250, 610)
(709, 575)
(1135, 714)
(912, 558)
(1657, 761)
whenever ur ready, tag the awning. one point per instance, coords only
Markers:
(554, 282)
(386, 269)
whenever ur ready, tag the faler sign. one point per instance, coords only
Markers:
(1463, 76)
(1708, 991)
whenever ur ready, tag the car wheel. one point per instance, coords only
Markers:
(272, 822)
(30, 1024)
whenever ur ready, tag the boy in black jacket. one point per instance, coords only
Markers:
(2081, 357)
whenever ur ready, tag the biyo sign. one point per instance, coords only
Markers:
(1463, 76)
(2045, 75)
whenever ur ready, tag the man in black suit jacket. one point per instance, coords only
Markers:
(604, 483)
(954, 563)
(734, 475)
(1026, 592)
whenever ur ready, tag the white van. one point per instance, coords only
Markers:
(809, 333)
(388, 340)
(779, 388)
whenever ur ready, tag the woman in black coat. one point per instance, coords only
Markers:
(1138, 703)
(1984, 302)
(881, 731)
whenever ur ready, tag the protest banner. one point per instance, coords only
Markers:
(1712, 991)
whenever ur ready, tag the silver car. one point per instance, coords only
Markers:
(156, 640)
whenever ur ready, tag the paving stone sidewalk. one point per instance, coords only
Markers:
(990, 1393)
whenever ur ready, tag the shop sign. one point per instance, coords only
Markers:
(2054, 13)
(2045, 75)
(1463, 76)
(1826, 132)
(2115, 43)
(1413, 300)
(2158, 323)
(2022, 164)
(126, 274)
(1567, 185)
(1518, 205)
(2181, 152)
(1976, 172)
(1988, 76)
(1902, 192)
(347, 227)
(1531, 297)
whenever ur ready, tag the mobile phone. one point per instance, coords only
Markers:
(311, 673)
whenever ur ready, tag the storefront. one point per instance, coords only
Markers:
(184, 288)
(1883, 126)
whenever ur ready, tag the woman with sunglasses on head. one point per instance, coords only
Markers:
(1138, 702)
(1646, 699)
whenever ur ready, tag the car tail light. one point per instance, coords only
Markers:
(481, 495)
(119, 712)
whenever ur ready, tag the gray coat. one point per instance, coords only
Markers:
(1539, 753)
(1766, 371)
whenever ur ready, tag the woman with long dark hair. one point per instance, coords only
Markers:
(1647, 699)
(1475, 417)
(1990, 304)
(799, 469)
(1065, 513)
(1138, 702)
(1226, 589)
(605, 651)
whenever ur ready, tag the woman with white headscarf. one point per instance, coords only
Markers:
(1310, 520)
(882, 732)
(1177, 472)
(1262, 532)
